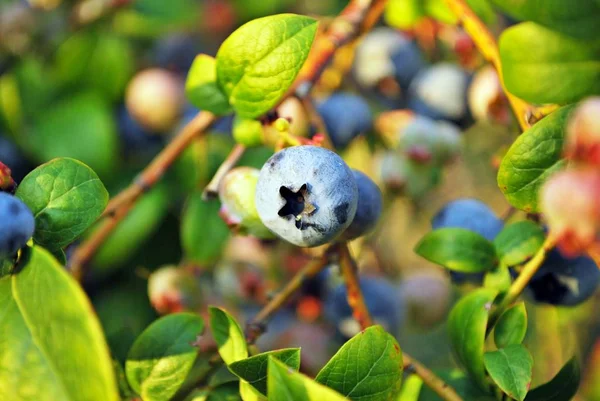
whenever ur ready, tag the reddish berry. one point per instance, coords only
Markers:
(583, 133)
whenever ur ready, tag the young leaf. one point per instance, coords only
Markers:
(533, 56)
(510, 368)
(51, 338)
(563, 386)
(250, 393)
(228, 335)
(518, 242)
(285, 384)
(467, 325)
(368, 366)
(162, 356)
(201, 86)
(498, 278)
(511, 327)
(458, 249)
(254, 369)
(531, 159)
(66, 197)
(258, 62)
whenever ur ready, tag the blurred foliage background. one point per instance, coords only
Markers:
(65, 69)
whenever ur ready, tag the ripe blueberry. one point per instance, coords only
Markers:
(17, 225)
(306, 195)
(345, 116)
(470, 214)
(368, 209)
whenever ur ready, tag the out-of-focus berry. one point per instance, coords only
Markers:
(470, 214)
(487, 100)
(424, 140)
(570, 202)
(238, 208)
(389, 123)
(155, 98)
(7, 184)
(427, 298)
(368, 209)
(583, 133)
(345, 116)
(174, 289)
(240, 282)
(400, 174)
(17, 225)
(248, 132)
(176, 52)
(292, 110)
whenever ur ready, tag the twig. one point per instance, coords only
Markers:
(486, 43)
(257, 325)
(212, 189)
(118, 208)
(362, 315)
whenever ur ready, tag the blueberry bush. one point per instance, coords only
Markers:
(317, 200)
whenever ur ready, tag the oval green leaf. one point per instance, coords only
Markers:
(254, 369)
(458, 249)
(510, 368)
(258, 62)
(511, 327)
(518, 242)
(52, 344)
(228, 335)
(467, 326)
(531, 159)
(498, 278)
(533, 57)
(201, 86)
(368, 367)
(563, 386)
(286, 384)
(162, 356)
(66, 197)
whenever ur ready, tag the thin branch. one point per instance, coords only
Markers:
(487, 45)
(118, 208)
(440, 387)
(212, 189)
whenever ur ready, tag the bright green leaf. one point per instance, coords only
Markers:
(162, 356)
(404, 14)
(52, 345)
(580, 21)
(250, 393)
(258, 62)
(458, 249)
(544, 66)
(563, 386)
(517, 242)
(199, 218)
(510, 368)
(254, 369)
(467, 326)
(66, 197)
(511, 327)
(285, 384)
(201, 86)
(368, 367)
(531, 159)
(228, 335)
(498, 278)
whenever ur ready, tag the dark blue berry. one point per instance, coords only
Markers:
(345, 116)
(17, 225)
(368, 209)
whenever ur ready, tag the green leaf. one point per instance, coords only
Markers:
(467, 325)
(404, 14)
(368, 367)
(531, 159)
(498, 278)
(458, 249)
(510, 368)
(228, 335)
(52, 345)
(580, 20)
(250, 393)
(563, 386)
(66, 197)
(518, 242)
(285, 384)
(223, 392)
(511, 327)
(82, 127)
(254, 369)
(199, 218)
(162, 356)
(258, 62)
(201, 86)
(533, 57)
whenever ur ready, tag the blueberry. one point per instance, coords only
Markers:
(12, 157)
(174, 289)
(306, 195)
(382, 299)
(440, 92)
(17, 225)
(470, 214)
(424, 140)
(368, 209)
(563, 281)
(427, 298)
(402, 175)
(408, 61)
(345, 116)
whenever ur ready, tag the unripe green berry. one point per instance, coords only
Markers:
(247, 132)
